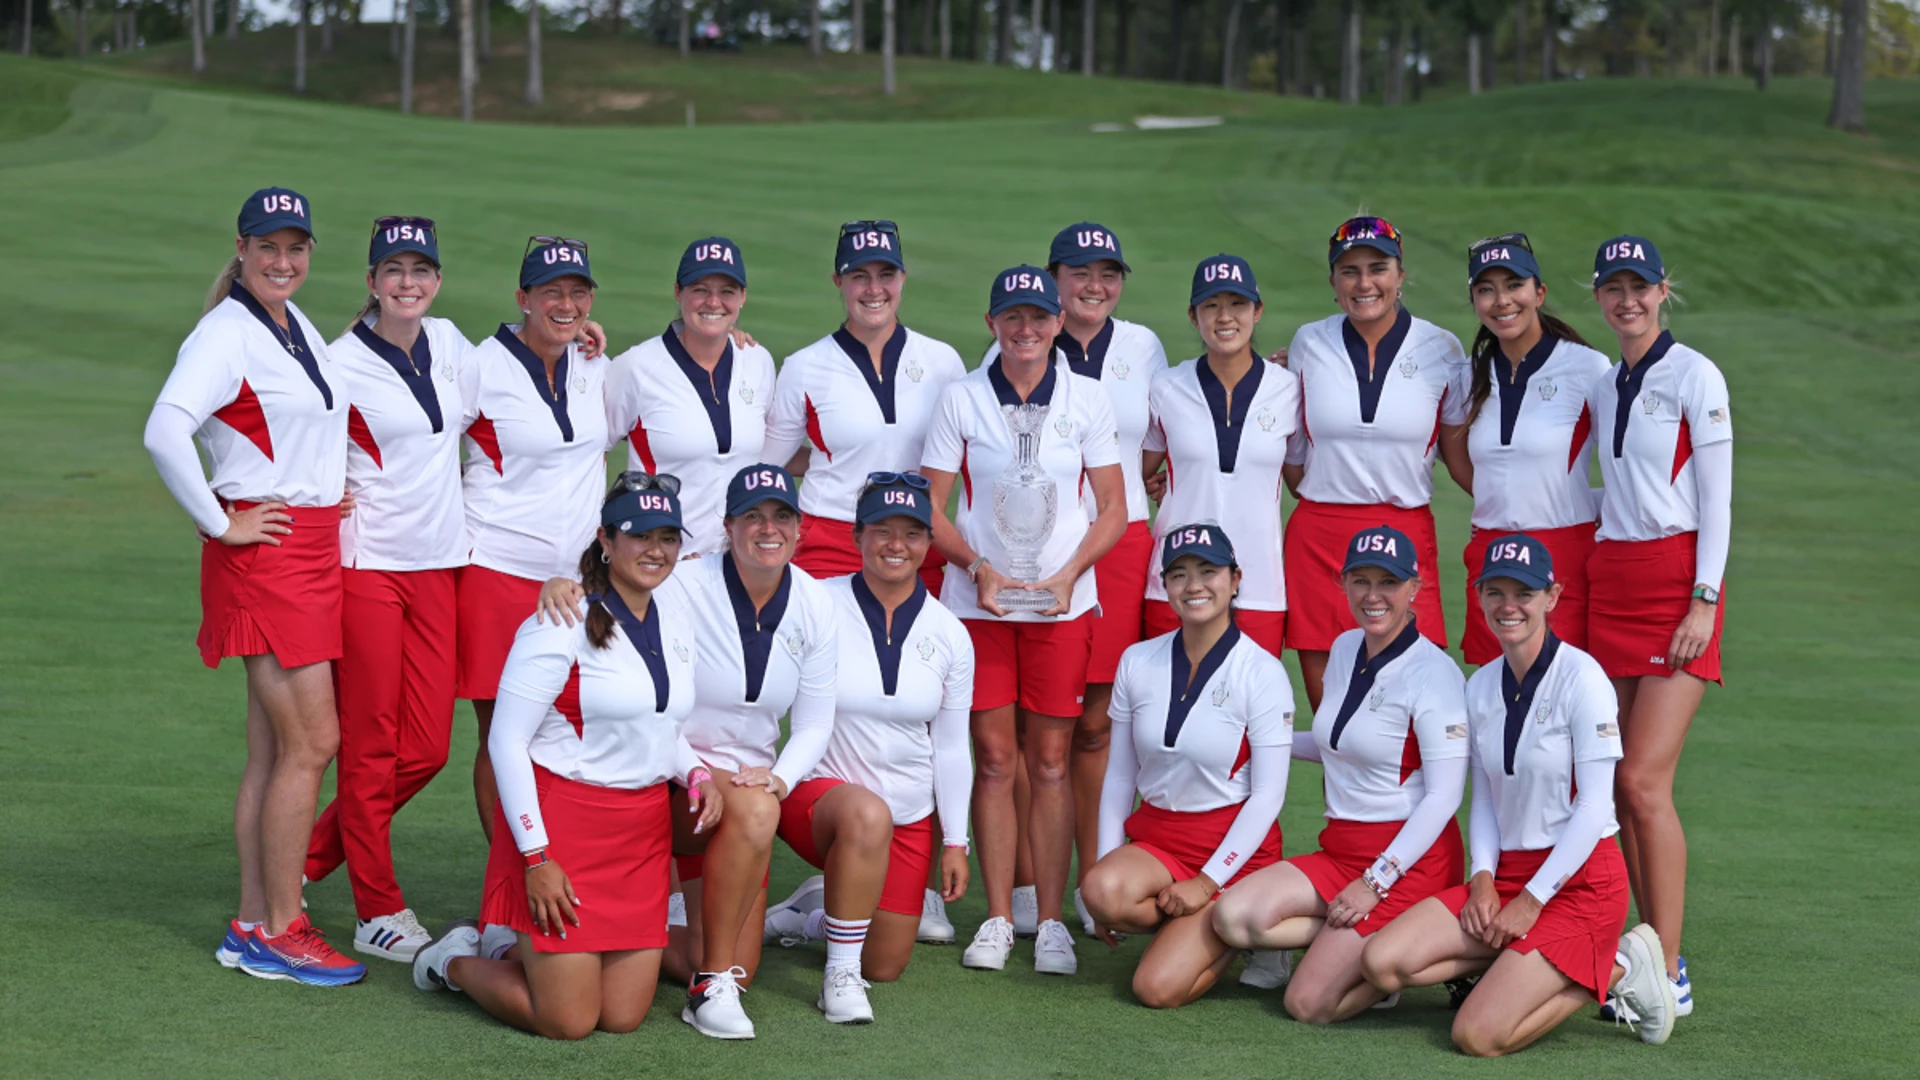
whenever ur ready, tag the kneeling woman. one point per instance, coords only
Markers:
(1543, 912)
(586, 734)
(1394, 745)
(898, 752)
(1202, 729)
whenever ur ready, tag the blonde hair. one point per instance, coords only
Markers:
(222, 284)
(371, 307)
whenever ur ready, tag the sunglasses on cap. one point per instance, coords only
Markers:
(544, 241)
(1363, 228)
(392, 220)
(1512, 239)
(911, 479)
(646, 481)
(850, 228)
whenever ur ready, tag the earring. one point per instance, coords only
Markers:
(604, 560)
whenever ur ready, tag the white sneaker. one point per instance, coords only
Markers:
(713, 1005)
(991, 945)
(496, 940)
(1645, 990)
(843, 996)
(1026, 910)
(786, 921)
(460, 938)
(1391, 1001)
(676, 909)
(304, 882)
(1267, 969)
(935, 927)
(1086, 917)
(393, 937)
(1053, 949)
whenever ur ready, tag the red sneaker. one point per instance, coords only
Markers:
(300, 953)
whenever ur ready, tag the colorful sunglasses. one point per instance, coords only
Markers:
(1362, 228)
(911, 479)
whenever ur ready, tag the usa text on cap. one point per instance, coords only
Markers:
(713, 255)
(1519, 557)
(550, 258)
(1383, 547)
(636, 512)
(1223, 274)
(863, 242)
(1633, 253)
(1510, 250)
(1079, 245)
(1206, 541)
(757, 484)
(1023, 285)
(899, 495)
(397, 235)
(1373, 232)
(271, 209)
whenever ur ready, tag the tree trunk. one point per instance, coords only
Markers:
(469, 65)
(1003, 31)
(1352, 78)
(1177, 51)
(1850, 69)
(858, 9)
(1126, 58)
(1763, 53)
(1490, 77)
(326, 26)
(1036, 32)
(1229, 41)
(1826, 68)
(1056, 35)
(1473, 62)
(233, 23)
(1089, 36)
(1550, 40)
(1300, 82)
(199, 35)
(1733, 45)
(394, 23)
(1520, 42)
(409, 33)
(485, 47)
(300, 49)
(813, 29)
(1396, 88)
(536, 86)
(887, 32)
(946, 29)
(80, 27)
(926, 27)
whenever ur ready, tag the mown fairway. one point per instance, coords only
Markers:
(119, 752)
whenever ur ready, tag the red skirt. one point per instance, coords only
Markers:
(489, 607)
(283, 600)
(1122, 577)
(826, 549)
(1042, 666)
(1316, 548)
(909, 857)
(1184, 842)
(1579, 929)
(1349, 847)
(614, 845)
(1268, 629)
(1570, 547)
(1638, 591)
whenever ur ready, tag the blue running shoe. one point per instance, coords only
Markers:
(233, 947)
(300, 954)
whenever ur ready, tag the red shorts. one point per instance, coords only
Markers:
(1122, 577)
(1184, 842)
(1570, 548)
(909, 858)
(1348, 847)
(1579, 929)
(1637, 593)
(1316, 548)
(283, 600)
(1040, 665)
(613, 844)
(489, 607)
(826, 549)
(1268, 629)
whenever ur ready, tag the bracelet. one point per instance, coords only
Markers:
(973, 568)
(1374, 883)
(698, 776)
(535, 859)
(963, 845)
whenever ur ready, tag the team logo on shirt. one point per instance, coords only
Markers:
(1120, 369)
(579, 384)
(925, 648)
(1408, 368)
(680, 650)
(1650, 401)
(446, 372)
(796, 642)
(914, 371)
(746, 395)
(1379, 695)
(1547, 390)
(1265, 419)
(1220, 695)
(1064, 426)
(1544, 713)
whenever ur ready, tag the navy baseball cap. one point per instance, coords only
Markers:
(272, 209)
(636, 512)
(1384, 547)
(1520, 557)
(1206, 540)
(550, 258)
(756, 484)
(863, 242)
(713, 255)
(895, 495)
(1078, 245)
(1511, 250)
(1365, 231)
(1633, 253)
(395, 235)
(1223, 273)
(1023, 284)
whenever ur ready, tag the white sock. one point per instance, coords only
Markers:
(845, 938)
(815, 926)
(1626, 965)
(249, 927)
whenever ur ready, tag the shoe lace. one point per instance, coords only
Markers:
(994, 931)
(721, 984)
(309, 939)
(1054, 936)
(407, 923)
(935, 905)
(845, 977)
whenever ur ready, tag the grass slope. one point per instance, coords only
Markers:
(119, 753)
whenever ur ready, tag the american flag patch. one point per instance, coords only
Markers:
(1608, 730)
(1716, 416)
(1456, 731)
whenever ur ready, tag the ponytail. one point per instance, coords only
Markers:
(223, 284)
(596, 581)
(1485, 345)
(371, 307)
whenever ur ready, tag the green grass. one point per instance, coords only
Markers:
(119, 752)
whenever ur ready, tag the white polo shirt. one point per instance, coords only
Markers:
(1368, 440)
(1648, 422)
(1563, 712)
(1193, 739)
(702, 428)
(403, 448)
(1381, 717)
(856, 420)
(1532, 444)
(536, 457)
(1223, 465)
(969, 436)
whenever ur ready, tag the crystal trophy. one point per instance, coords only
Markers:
(1026, 502)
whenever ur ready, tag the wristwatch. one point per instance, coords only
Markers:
(1706, 592)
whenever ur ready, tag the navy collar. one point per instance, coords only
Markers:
(1229, 423)
(1513, 385)
(1090, 361)
(1628, 382)
(712, 391)
(888, 643)
(1365, 670)
(291, 339)
(1003, 389)
(881, 383)
(1372, 383)
(1188, 681)
(555, 399)
(757, 625)
(415, 368)
(644, 635)
(1517, 694)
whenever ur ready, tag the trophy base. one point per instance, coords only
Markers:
(1022, 600)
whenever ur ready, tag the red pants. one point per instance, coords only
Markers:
(394, 686)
